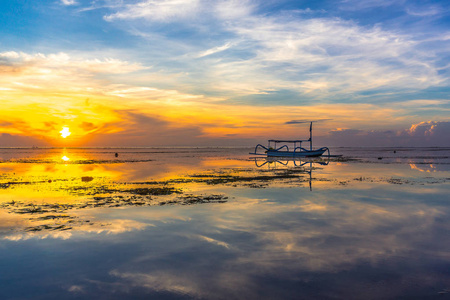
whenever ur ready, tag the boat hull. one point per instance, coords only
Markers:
(312, 153)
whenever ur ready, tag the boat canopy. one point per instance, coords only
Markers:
(288, 141)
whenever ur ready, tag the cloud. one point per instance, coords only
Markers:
(117, 113)
(140, 129)
(340, 55)
(215, 50)
(162, 10)
(253, 48)
(256, 59)
(76, 289)
(214, 241)
(88, 126)
(234, 9)
(421, 12)
(206, 284)
(430, 130)
(211, 58)
(160, 282)
(429, 133)
(180, 10)
(118, 226)
(69, 2)
(368, 4)
(306, 121)
(38, 73)
(50, 63)
(88, 101)
(318, 58)
(13, 140)
(357, 137)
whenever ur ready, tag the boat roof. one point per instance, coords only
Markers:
(288, 141)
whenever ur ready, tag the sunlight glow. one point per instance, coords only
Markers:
(65, 132)
(65, 158)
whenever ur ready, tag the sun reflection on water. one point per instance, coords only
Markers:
(260, 220)
(65, 180)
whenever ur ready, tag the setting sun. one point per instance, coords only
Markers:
(65, 132)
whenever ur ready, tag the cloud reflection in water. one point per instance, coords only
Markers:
(365, 230)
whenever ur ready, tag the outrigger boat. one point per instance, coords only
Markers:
(296, 151)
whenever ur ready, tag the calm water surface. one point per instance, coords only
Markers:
(216, 223)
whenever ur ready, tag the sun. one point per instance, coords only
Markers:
(65, 132)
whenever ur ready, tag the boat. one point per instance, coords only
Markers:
(274, 149)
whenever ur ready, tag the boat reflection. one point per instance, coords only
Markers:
(274, 163)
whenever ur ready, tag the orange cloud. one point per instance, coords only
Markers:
(42, 93)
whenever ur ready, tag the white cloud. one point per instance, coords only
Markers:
(337, 54)
(24, 71)
(214, 241)
(431, 11)
(215, 50)
(69, 2)
(317, 57)
(157, 10)
(177, 10)
(49, 63)
(233, 9)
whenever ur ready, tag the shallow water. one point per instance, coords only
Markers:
(217, 223)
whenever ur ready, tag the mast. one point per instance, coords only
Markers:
(310, 136)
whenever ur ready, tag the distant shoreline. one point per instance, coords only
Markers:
(224, 147)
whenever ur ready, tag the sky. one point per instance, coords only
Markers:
(224, 73)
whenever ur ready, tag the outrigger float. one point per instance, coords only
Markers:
(297, 150)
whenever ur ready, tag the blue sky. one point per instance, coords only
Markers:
(370, 66)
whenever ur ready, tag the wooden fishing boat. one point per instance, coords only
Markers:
(280, 148)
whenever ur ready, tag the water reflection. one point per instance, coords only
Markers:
(322, 247)
(430, 167)
(274, 163)
(220, 226)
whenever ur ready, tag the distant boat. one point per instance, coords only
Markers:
(274, 149)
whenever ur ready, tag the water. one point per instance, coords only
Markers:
(216, 223)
